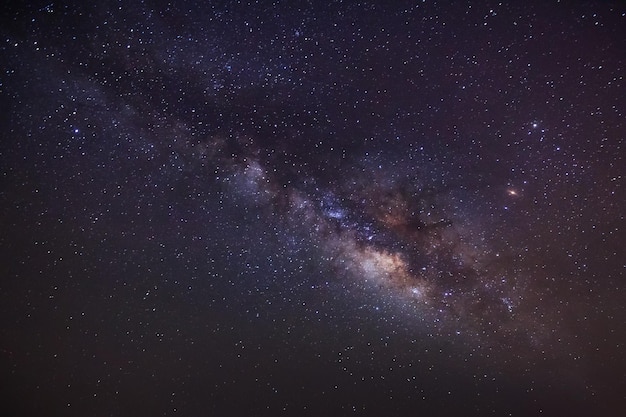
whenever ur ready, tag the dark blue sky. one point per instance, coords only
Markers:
(320, 208)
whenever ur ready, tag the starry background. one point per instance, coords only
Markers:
(312, 208)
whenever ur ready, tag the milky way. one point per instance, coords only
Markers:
(233, 208)
(390, 233)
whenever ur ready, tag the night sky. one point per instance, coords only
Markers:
(313, 208)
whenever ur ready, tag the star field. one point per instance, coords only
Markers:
(341, 208)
